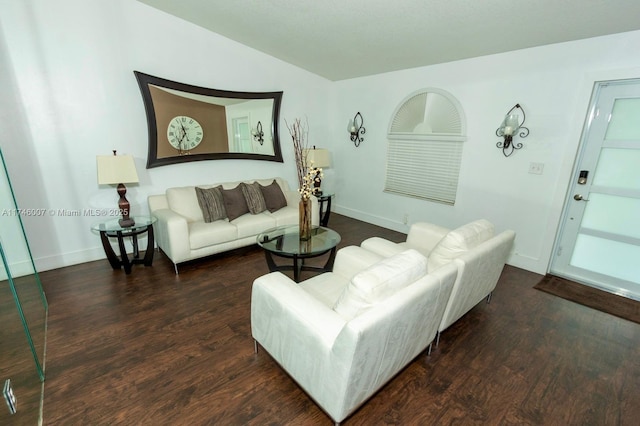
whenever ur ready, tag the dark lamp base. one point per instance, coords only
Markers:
(126, 223)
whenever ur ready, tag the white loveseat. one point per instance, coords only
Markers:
(182, 233)
(342, 335)
(479, 254)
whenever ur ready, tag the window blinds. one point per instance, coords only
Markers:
(424, 169)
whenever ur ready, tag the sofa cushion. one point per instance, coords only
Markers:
(459, 241)
(183, 200)
(379, 281)
(234, 202)
(273, 196)
(208, 234)
(285, 216)
(251, 225)
(211, 203)
(254, 198)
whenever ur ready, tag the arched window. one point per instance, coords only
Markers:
(426, 136)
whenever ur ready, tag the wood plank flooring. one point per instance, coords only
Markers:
(153, 348)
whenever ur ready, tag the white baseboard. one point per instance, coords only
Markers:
(68, 259)
(82, 256)
(369, 218)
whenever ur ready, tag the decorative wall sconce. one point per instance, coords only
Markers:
(356, 128)
(258, 134)
(510, 126)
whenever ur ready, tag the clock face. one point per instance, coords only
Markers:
(184, 133)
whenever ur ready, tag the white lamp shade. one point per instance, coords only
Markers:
(115, 169)
(318, 157)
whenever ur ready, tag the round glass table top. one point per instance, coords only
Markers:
(285, 241)
(113, 225)
(324, 195)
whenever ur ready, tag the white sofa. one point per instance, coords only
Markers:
(342, 335)
(182, 233)
(479, 254)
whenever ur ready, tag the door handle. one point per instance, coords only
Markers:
(578, 197)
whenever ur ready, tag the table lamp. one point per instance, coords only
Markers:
(118, 169)
(318, 157)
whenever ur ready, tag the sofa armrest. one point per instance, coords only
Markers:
(352, 259)
(293, 197)
(157, 202)
(171, 233)
(384, 248)
(299, 333)
(425, 236)
(478, 272)
(280, 307)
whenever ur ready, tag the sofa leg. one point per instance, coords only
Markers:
(175, 267)
(437, 339)
(489, 298)
(255, 346)
(429, 350)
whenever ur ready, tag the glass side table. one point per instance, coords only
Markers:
(111, 228)
(284, 241)
(324, 202)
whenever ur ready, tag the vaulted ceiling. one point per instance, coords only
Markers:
(341, 39)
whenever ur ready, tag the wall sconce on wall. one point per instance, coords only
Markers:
(356, 128)
(510, 126)
(258, 134)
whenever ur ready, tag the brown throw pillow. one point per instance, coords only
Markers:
(254, 198)
(211, 203)
(273, 196)
(234, 202)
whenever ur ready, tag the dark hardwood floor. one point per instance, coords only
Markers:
(153, 348)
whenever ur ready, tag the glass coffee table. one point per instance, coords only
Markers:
(284, 241)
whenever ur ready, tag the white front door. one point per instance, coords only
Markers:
(599, 241)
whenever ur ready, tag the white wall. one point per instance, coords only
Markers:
(68, 69)
(74, 96)
(552, 83)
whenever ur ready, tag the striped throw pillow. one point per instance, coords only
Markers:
(211, 203)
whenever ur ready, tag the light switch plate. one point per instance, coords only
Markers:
(536, 168)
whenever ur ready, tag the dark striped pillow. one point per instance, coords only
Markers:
(211, 203)
(253, 196)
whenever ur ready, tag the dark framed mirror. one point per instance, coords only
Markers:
(192, 123)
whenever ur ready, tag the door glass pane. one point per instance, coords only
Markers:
(245, 137)
(607, 257)
(623, 124)
(610, 213)
(618, 168)
(241, 135)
